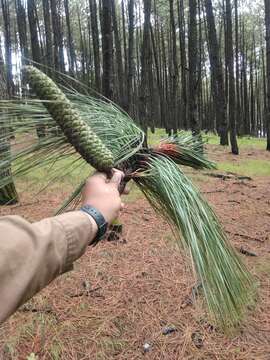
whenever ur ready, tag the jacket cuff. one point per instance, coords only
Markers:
(78, 230)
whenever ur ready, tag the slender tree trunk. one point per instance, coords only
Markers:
(22, 30)
(267, 25)
(8, 48)
(237, 79)
(95, 38)
(70, 47)
(193, 62)
(48, 34)
(33, 26)
(145, 66)
(230, 62)
(217, 76)
(173, 73)
(130, 74)
(8, 194)
(107, 48)
(119, 60)
(182, 31)
(58, 45)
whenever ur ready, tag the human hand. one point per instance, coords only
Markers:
(103, 194)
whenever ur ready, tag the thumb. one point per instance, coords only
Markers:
(117, 177)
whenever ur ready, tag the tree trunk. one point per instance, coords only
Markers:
(8, 194)
(106, 26)
(58, 45)
(230, 62)
(173, 73)
(217, 75)
(130, 74)
(267, 25)
(145, 67)
(238, 103)
(119, 60)
(33, 26)
(8, 48)
(193, 62)
(22, 30)
(70, 47)
(182, 31)
(95, 39)
(48, 34)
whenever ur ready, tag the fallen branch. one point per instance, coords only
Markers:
(85, 292)
(244, 236)
(246, 252)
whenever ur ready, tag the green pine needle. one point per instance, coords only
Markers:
(227, 284)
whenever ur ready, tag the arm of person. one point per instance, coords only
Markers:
(32, 255)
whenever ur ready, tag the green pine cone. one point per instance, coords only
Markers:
(79, 134)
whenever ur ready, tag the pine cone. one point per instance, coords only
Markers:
(79, 134)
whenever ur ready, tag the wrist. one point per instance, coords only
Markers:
(99, 222)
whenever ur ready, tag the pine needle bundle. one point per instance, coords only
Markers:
(95, 131)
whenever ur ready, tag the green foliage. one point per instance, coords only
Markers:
(247, 167)
(243, 142)
(226, 282)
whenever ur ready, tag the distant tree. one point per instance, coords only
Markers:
(8, 47)
(192, 68)
(145, 66)
(267, 25)
(107, 46)
(130, 66)
(22, 30)
(33, 26)
(119, 58)
(95, 39)
(217, 75)
(173, 73)
(182, 42)
(58, 41)
(70, 42)
(230, 62)
(8, 194)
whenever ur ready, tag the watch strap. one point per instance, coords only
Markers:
(100, 221)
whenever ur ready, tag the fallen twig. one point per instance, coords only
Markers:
(246, 252)
(85, 292)
(244, 236)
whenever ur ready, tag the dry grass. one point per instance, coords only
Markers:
(142, 285)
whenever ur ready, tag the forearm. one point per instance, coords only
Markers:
(32, 255)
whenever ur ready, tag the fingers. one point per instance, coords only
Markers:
(117, 177)
(126, 191)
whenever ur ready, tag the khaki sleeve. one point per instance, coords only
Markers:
(32, 255)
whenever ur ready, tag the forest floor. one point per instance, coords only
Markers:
(123, 294)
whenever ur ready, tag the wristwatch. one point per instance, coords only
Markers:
(100, 221)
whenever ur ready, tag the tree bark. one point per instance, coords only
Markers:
(95, 39)
(8, 48)
(119, 60)
(70, 47)
(217, 75)
(107, 48)
(145, 66)
(8, 194)
(33, 25)
(130, 74)
(182, 31)
(193, 62)
(230, 62)
(58, 45)
(267, 26)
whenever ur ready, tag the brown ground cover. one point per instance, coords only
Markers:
(123, 294)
